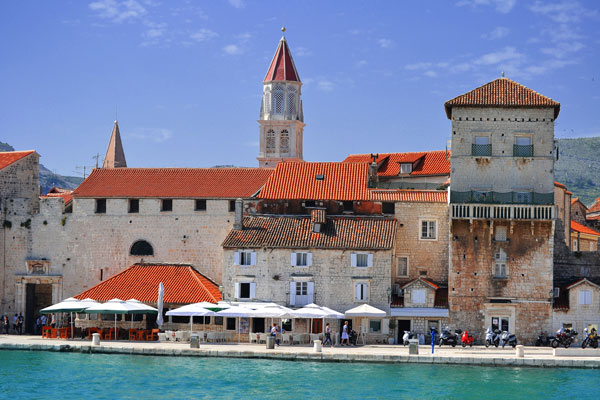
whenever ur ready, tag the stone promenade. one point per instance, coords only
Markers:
(478, 355)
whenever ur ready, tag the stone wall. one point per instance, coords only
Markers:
(570, 266)
(579, 315)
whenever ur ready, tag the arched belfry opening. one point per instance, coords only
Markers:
(141, 248)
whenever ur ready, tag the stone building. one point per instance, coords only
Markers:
(577, 306)
(502, 209)
(578, 211)
(592, 215)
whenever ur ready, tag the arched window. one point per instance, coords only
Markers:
(284, 141)
(270, 141)
(267, 100)
(278, 97)
(141, 248)
(291, 100)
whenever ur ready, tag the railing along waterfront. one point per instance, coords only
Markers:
(502, 211)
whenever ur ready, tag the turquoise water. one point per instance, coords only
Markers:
(37, 375)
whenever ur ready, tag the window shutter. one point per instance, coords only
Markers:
(369, 260)
(357, 292)
(252, 290)
(310, 291)
(237, 290)
(365, 289)
(253, 258)
(236, 258)
(293, 260)
(309, 259)
(353, 259)
(292, 293)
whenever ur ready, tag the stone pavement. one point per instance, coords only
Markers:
(477, 355)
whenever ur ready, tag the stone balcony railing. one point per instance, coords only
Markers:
(502, 211)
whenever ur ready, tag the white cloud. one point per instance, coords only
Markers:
(202, 35)
(430, 73)
(244, 36)
(302, 51)
(562, 49)
(498, 33)
(506, 54)
(385, 43)
(564, 12)
(118, 11)
(418, 66)
(325, 85)
(237, 3)
(232, 49)
(502, 6)
(157, 135)
(361, 63)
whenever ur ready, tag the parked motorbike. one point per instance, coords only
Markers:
(448, 338)
(543, 340)
(492, 337)
(591, 339)
(466, 339)
(564, 337)
(508, 338)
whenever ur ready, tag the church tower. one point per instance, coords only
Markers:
(115, 156)
(281, 117)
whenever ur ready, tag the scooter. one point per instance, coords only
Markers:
(448, 338)
(508, 338)
(492, 337)
(564, 337)
(543, 340)
(466, 339)
(591, 339)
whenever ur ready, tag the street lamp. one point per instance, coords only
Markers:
(389, 294)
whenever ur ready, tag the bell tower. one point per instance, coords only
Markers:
(281, 117)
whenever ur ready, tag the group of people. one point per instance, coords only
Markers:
(346, 333)
(18, 321)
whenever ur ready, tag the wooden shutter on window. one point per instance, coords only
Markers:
(357, 295)
(293, 293)
(236, 258)
(252, 290)
(237, 290)
(369, 260)
(309, 259)
(353, 259)
(253, 258)
(310, 291)
(293, 259)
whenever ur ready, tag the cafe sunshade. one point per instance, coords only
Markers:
(365, 310)
(69, 305)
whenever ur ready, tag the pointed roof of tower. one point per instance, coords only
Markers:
(502, 92)
(282, 66)
(115, 156)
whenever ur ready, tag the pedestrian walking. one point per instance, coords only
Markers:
(345, 334)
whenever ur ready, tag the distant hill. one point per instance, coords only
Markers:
(49, 179)
(578, 167)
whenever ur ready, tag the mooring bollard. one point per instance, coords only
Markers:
(318, 347)
(95, 339)
(519, 351)
(413, 346)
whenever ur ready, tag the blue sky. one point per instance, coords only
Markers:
(186, 76)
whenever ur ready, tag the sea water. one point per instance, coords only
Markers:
(49, 375)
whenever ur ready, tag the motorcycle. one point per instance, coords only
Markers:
(466, 339)
(591, 339)
(508, 338)
(448, 338)
(492, 337)
(543, 340)
(564, 337)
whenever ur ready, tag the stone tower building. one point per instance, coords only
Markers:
(502, 211)
(115, 156)
(281, 117)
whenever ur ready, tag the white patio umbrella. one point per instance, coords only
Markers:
(118, 306)
(365, 311)
(310, 311)
(236, 312)
(140, 306)
(192, 310)
(329, 313)
(70, 305)
(161, 294)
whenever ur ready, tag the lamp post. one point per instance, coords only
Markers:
(389, 294)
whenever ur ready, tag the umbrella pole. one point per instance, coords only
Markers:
(71, 325)
(115, 326)
(239, 326)
(191, 327)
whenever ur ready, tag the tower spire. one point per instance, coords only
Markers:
(115, 156)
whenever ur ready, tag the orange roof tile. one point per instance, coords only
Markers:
(291, 232)
(9, 157)
(173, 182)
(502, 92)
(424, 163)
(183, 285)
(282, 67)
(577, 227)
(65, 194)
(560, 185)
(317, 181)
(406, 195)
(595, 207)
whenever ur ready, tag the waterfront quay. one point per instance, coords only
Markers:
(478, 355)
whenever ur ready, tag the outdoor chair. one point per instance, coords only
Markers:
(152, 335)
(46, 332)
(313, 337)
(262, 337)
(201, 336)
(298, 338)
(211, 336)
(253, 337)
(285, 338)
(107, 334)
(132, 334)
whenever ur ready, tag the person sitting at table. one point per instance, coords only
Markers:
(274, 333)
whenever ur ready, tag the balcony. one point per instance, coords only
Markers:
(522, 150)
(514, 197)
(481, 150)
(502, 211)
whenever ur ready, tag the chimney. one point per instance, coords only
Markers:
(239, 211)
(372, 174)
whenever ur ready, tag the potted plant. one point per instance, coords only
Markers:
(391, 339)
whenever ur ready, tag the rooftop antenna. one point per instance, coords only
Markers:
(374, 157)
(96, 157)
(503, 74)
(116, 119)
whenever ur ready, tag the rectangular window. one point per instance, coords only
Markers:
(134, 206)
(301, 259)
(247, 258)
(402, 266)
(481, 146)
(244, 290)
(166, 205)
(200, 205)
(522, 197)
(348, 206)
(429, 230)
(362, 260)
(388, 208)
(100, 206)
(523, 147)
(301, 293)
(301, 288)
(500, 323)
(585, 297)
(375, 325)
(418, 296)
(230, 324)
(500, 270)
(556, 292)
(405, 168)
(218, 321)
(231, 205)
(500, 234)
(361, 292)
(575, 245)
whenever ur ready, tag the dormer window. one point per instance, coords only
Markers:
(320, 177)
(405, 168)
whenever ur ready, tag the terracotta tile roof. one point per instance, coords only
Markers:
(592, 218)
(577, 227)
(183, 285)
(282, 67)
(65, 194)
(595, 207)
(9, 157)
(579, 282)
(424, 163)
(560, 185)
(317, 181)
(296, 232)
(561, 303)
(502, 92)
(408, 195)
(318, 216)
(424, 280)
(173, 182)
